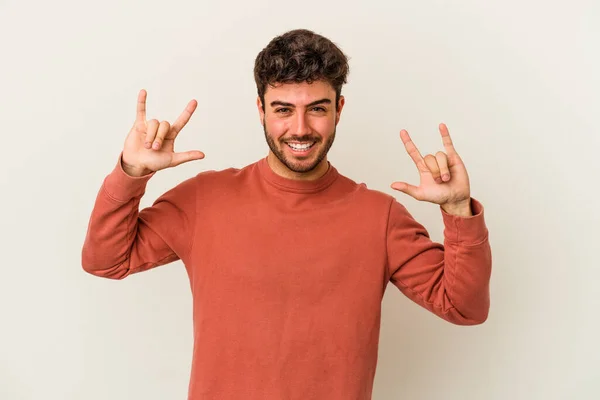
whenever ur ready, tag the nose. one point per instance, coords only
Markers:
(302, 127)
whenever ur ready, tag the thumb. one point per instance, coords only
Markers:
(185, 156)
(404, 187)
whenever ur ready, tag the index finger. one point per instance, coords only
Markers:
(448, 145)
(185, 116)
(141, 106)
(412, 150)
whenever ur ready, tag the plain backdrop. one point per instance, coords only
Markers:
(515, 81)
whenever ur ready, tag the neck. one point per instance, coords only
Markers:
(282, 170)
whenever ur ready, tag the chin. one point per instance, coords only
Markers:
(301, 167)
(297, 162)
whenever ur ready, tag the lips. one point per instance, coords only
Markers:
(300, 146)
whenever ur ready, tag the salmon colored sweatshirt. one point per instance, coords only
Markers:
(287, 277)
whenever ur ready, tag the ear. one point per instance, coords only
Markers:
(338, 109)
(261, 113)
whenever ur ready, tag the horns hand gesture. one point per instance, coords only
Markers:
(444, 178)
(149, 145)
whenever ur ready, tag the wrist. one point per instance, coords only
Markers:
(133, 171)
(461, 208)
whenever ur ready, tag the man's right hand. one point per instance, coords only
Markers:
(149, 146)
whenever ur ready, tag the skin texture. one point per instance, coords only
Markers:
(150, 144)
(443, 176)
(294, 114)
(300, 113)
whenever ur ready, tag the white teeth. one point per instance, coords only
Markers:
(304, 146)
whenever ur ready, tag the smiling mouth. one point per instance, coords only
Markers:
(300, 146)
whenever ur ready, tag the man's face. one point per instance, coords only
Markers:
(299, 121)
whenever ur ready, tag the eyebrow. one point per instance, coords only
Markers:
(314, 103)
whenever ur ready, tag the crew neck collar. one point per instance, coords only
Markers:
(295, 185)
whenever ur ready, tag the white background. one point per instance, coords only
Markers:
(516, 82)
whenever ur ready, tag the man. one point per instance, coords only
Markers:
(288, 259)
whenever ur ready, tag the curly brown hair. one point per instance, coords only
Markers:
(297, 56)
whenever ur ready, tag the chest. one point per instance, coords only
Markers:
(311, 253)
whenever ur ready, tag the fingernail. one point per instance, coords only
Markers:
(155, 145)
(446, 177)
(147, 145)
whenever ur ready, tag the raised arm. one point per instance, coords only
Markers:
(122, 240)
(450, 279)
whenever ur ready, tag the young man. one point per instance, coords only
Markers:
(288, 259)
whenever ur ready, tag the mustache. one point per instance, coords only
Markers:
(299, 139)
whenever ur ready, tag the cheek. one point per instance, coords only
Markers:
(276, 128)
(324, 126)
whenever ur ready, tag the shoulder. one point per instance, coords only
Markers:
(384, 209)
(222, 181)
(366, 196)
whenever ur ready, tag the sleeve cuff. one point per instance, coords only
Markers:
(470, 229)
(123, 187)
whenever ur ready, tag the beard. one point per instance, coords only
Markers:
(299, 166)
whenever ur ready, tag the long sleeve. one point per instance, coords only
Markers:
(122, 240)
(450, 280)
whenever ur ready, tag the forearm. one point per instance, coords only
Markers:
(450, 280)
(109, 240)
(117, 242)
(467, 270)
(467, 260)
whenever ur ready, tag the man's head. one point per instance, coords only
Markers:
(299, 78)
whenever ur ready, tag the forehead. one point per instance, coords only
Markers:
(300, 93)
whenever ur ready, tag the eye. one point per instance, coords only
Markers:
(319, 109)
(282, 110)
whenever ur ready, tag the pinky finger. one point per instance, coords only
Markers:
(186, 156)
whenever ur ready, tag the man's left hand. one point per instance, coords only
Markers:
(444, 178)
